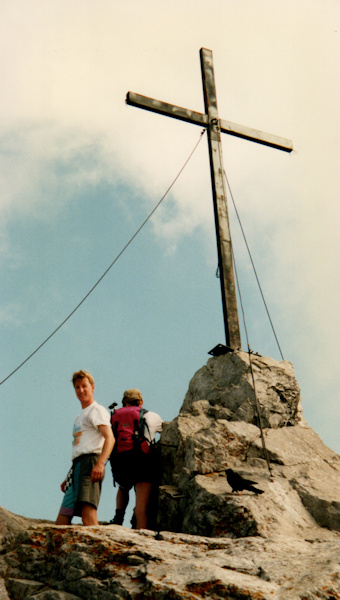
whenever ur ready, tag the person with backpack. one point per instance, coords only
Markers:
(134, 461)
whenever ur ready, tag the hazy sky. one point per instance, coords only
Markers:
(81, 170)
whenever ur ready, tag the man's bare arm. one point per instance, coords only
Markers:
(97, 472)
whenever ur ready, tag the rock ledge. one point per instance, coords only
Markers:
(49, 562)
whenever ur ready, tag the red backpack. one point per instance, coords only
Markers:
(128, 426)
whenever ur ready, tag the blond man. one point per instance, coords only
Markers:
(92, 445)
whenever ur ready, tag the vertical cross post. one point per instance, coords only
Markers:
(215, 126)
(224, 244)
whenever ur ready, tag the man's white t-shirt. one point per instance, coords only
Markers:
(87, 438)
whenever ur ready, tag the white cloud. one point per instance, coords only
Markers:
(66, 67)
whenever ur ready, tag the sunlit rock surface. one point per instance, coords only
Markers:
(218, 427)
(209, 543)
(47, 562)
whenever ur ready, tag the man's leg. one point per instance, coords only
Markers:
(89, 515)
(63, 520)
(143, 493)
(122, 501)
(153, 508)
(122, 498)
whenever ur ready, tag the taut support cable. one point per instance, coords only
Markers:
(253, 265)
(257, 406)
(110, 267)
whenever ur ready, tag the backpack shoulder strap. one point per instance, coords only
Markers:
(143, 424)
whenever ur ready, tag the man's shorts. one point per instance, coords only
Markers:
(131, 467)
(82, 490)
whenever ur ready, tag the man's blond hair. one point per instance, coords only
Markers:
(80, 375)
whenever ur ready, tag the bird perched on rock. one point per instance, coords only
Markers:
(238, 483)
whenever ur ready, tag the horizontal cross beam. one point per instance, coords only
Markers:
(201, 119)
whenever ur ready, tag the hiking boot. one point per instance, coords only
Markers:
(118, 518)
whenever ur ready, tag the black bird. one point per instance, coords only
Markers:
(238, 483)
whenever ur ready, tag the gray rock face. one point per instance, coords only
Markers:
(218, 427)
(225, 387)
(49, 562)
(281, 545)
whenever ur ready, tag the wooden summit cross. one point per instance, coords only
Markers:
(214, 125)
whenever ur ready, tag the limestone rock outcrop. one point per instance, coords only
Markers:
(209, 543)
(49, 562)
(218, 428)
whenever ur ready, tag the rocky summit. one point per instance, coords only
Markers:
(218, 428)
(208, 542)
(42, 561)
